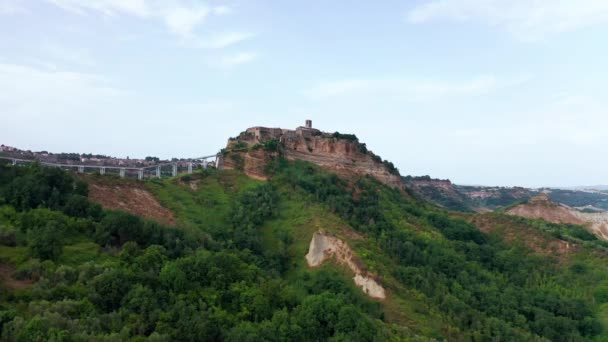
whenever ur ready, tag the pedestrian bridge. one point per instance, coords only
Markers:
(152, 171)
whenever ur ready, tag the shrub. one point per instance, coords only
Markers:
(46, 242)
(349, 137)
(8, 236)
(363, 148)
(239, 162)
(239, 146)
(271, 145)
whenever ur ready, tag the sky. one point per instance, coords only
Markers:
(492, 92)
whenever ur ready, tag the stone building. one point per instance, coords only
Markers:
(261, 134)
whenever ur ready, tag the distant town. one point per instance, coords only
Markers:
(83, 158)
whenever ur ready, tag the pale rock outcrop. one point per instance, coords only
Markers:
(323, 247)
(369, 286)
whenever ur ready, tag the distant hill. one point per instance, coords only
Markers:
(542, 207)
(439, 191)
(487, 198)
(587, 187)
(466, 198)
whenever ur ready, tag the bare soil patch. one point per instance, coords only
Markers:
(132, 198)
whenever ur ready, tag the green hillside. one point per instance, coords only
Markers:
(233, 267)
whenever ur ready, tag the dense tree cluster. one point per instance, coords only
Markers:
(158, 283)
(135, 279)
(484, 286)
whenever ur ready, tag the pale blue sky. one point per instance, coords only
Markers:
(497, 92)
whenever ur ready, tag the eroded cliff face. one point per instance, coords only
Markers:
(541, 207)
(340, 156)
(252, 162)
(323, 247)
(345, 157)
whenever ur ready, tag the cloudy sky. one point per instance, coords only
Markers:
(497, 92)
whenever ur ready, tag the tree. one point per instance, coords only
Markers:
(109, 288)
(46, 242)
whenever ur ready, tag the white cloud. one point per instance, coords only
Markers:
(31, 92)
(410, 89)
(224, 40)
(526, 19)
(138, 8)
(237, 59)
(180, 17)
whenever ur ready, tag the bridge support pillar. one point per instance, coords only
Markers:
(14, 161)
(81, 169)
(205, 164)
(174, 171)
(140, 174)
(102, 170)
(158, 172)
(122, 172)
(189, 167)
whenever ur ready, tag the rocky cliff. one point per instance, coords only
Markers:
(439, 191)
(323, 247)
(342, 154)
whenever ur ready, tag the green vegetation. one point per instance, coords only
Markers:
(272, 145)
(239, 145)
(566, 232)
(391, 168)
(239, 162)
(349, 137)
(234, 268)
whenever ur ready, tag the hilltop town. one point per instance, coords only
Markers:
(344, 154)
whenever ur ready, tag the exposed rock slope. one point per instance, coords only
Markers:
(439, 191)
(341, 154)
(323, 247)
(131, 198)
(541, 207)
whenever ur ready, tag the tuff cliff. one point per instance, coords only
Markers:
(439, 191)
(342, 154)
(323, 247)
